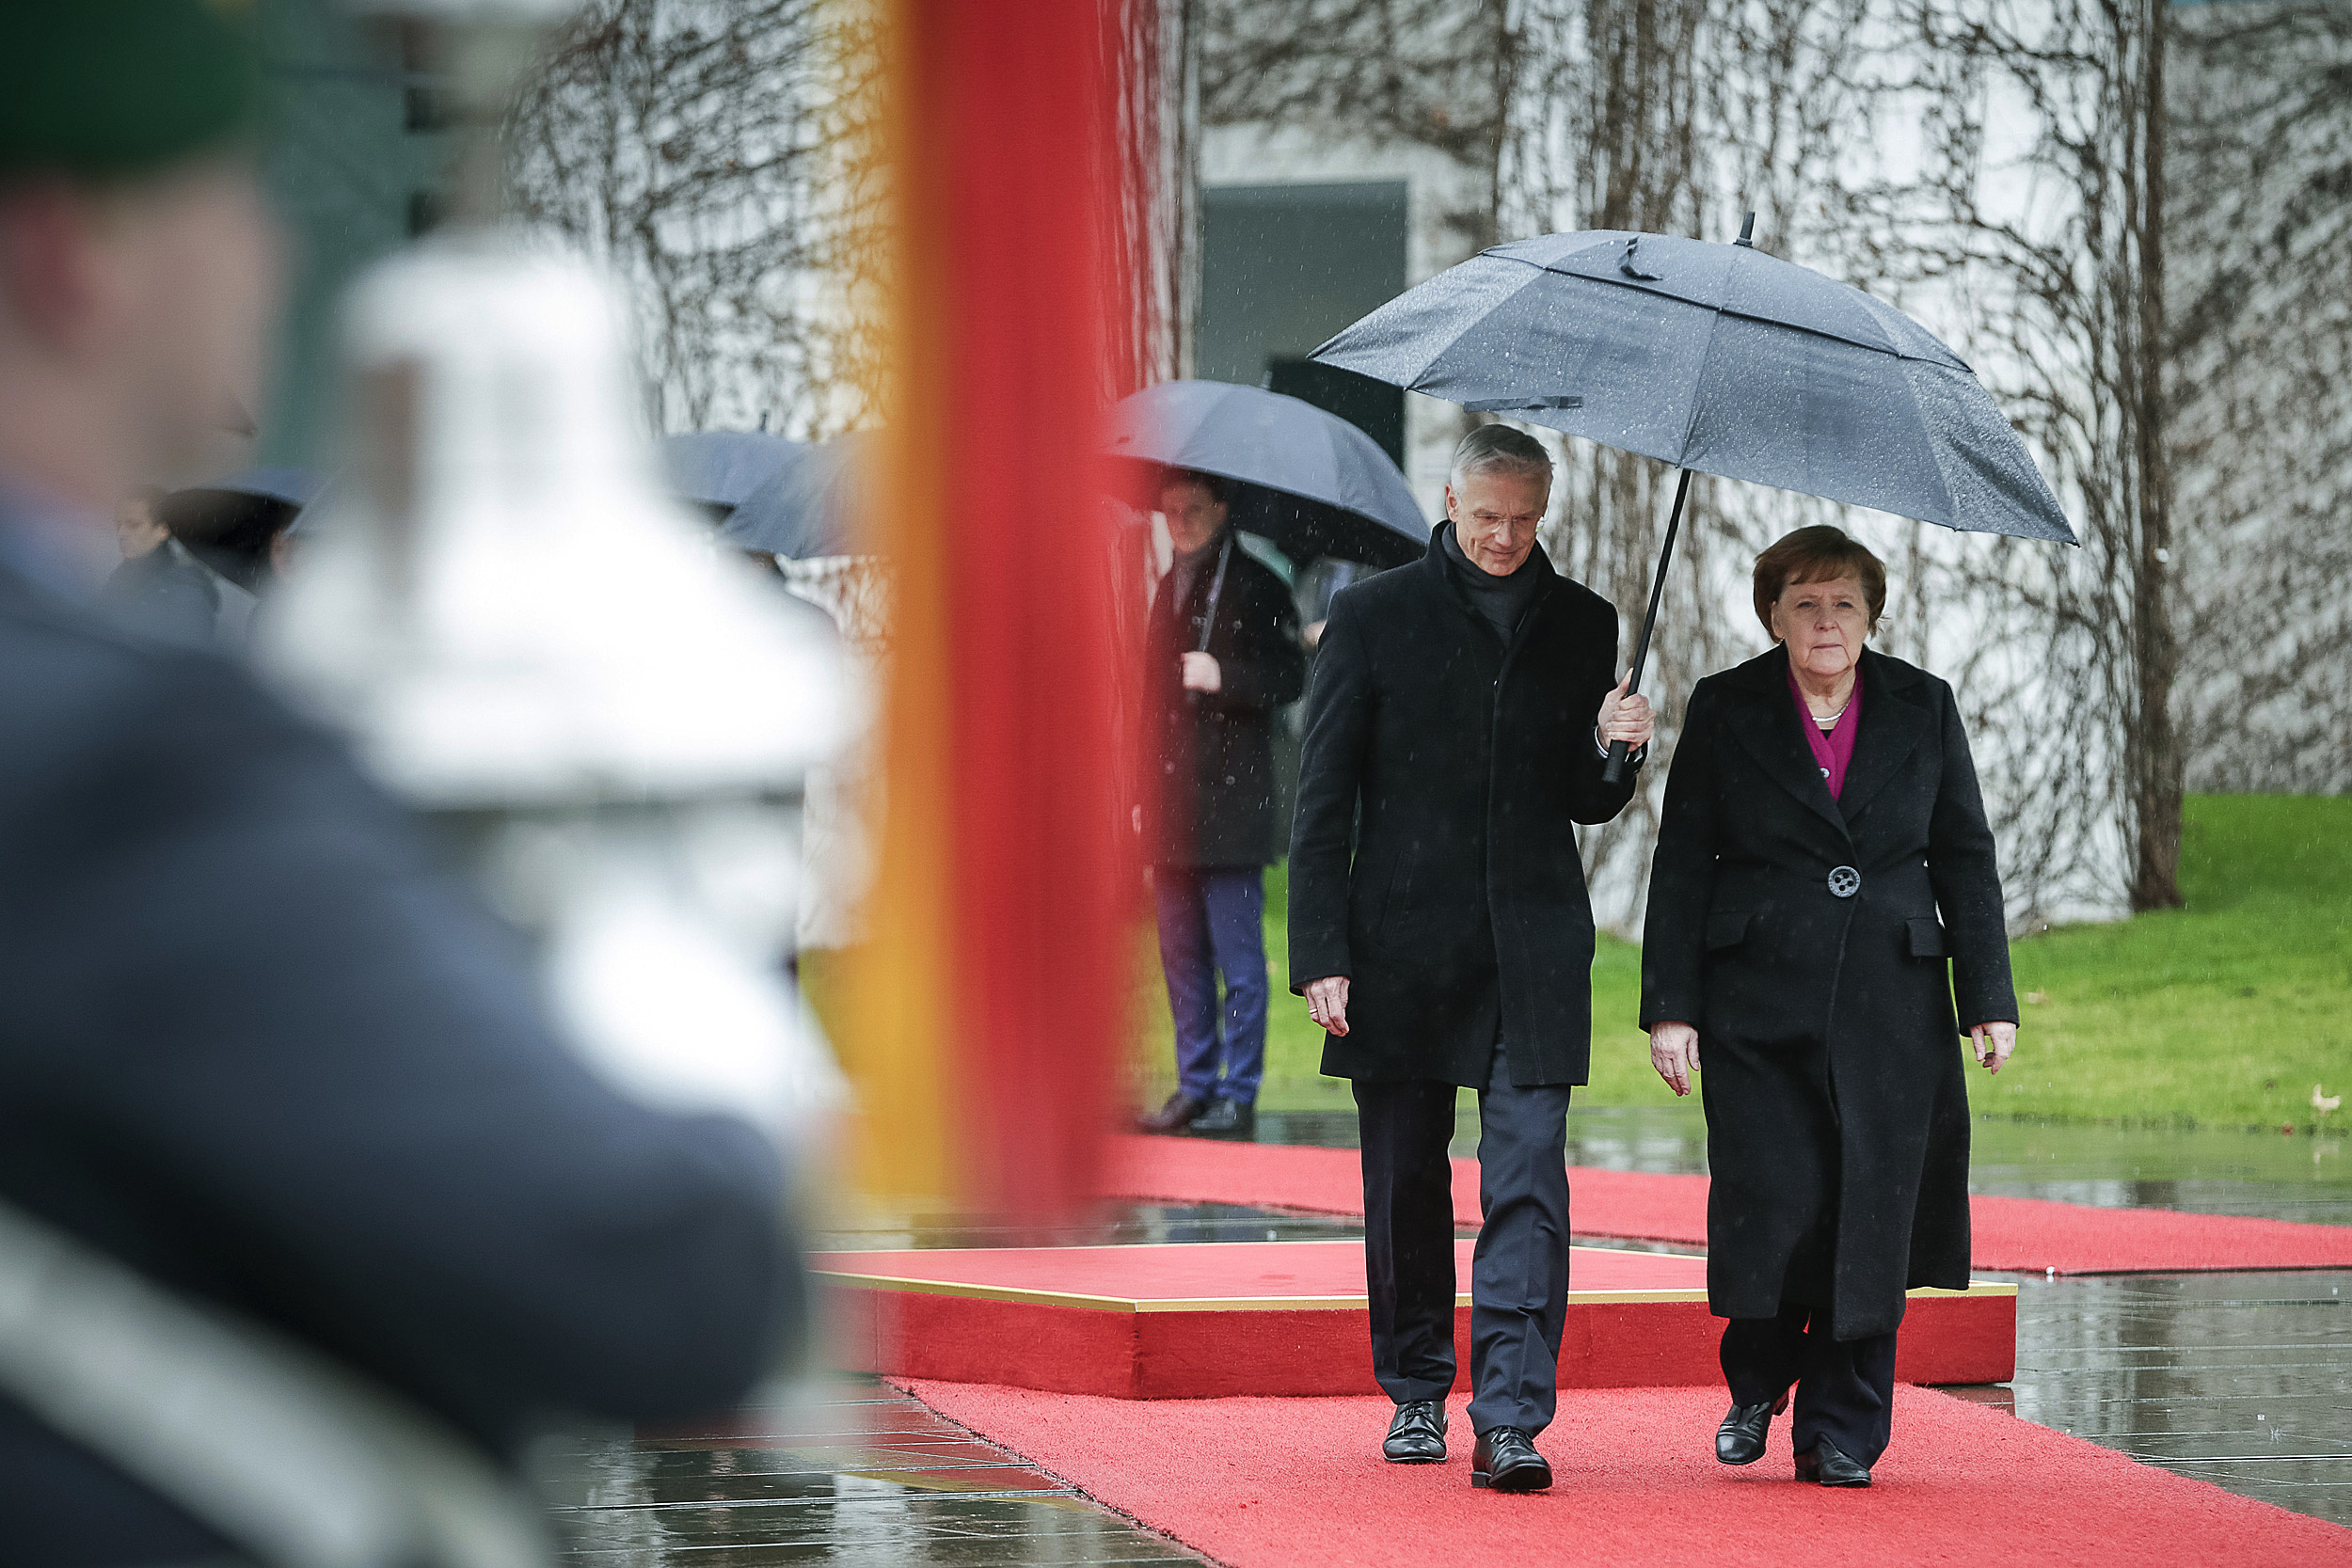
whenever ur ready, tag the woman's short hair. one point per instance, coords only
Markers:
(1817, 554)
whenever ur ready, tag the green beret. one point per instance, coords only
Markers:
(102, 88)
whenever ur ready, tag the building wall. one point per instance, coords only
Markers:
(1435, 188)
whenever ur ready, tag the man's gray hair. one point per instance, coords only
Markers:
(1499, 449)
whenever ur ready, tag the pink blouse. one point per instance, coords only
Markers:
(1833, 751)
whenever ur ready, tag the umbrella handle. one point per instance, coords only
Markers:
(1612, 772)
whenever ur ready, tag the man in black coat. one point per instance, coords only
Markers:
(1440, 931)
(1222, 654)
(159, 590)
(253, 1046)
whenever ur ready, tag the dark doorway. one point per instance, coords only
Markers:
(1283, 267)
(1372, 406)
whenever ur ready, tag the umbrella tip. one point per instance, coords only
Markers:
(1747, 232)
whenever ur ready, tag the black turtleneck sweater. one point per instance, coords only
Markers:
(1501, 601)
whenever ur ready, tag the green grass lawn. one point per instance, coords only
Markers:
(2222, 1013)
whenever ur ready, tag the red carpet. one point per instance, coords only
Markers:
(1298, 1483)
(2012, 1233)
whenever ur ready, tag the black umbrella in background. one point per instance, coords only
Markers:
(1718, 360)
(229, 524)
(1305, 479)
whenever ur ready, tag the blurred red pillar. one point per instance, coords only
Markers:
(985, 1020)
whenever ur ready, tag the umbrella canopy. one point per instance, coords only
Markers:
(1720, 359)
(723, 468)
(806, 508)
(229, 524)
(1310, 481)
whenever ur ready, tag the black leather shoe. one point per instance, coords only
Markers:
(1417, 1436)
(1180, 1111)
(1740, 1439)
(1505, 1460)
(1829, 1466)
(1227, 1118)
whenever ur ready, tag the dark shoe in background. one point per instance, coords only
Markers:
(1505, 1460)
(1417, 1436)
(1180, 1111)
(1740, 1439)
(1228, 1118)
(1827, 1465)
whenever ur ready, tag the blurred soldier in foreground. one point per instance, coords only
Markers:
(252, 1044)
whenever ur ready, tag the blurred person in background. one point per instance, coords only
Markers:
(1318, 585)
(158, 588)
(254, 1045)
(1222, 654)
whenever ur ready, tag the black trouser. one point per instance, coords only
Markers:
(1519, 1272)
(1845, 1387)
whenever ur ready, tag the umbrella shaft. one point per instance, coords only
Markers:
(1618, 751)
(1658, 581)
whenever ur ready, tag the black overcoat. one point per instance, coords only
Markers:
(1457, 903)
(1211, 753)
(1837, 1103)
(167, 595)
(257, 1045)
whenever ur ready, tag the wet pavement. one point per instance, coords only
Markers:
(2244, 1380)
(848, 1472)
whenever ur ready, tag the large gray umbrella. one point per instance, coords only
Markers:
(1309, 480)
(1718, 360)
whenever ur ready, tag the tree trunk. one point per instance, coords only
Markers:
(2154, 745)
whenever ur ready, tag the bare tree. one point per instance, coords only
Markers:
(712, 153)
(2035, 218)
(1433, 73)
(2131, 218)
(2261, 353)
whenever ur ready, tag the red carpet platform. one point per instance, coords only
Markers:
(2028, 1235)
(1288, 1318)
(1258, 1483)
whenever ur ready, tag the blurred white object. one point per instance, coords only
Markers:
(534, 644)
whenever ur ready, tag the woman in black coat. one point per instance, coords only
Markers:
(1825, 885)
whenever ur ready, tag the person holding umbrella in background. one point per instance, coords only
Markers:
(159, 590)
(1222, 654)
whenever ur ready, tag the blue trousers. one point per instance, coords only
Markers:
(1519, 1271)
(1212, 922)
